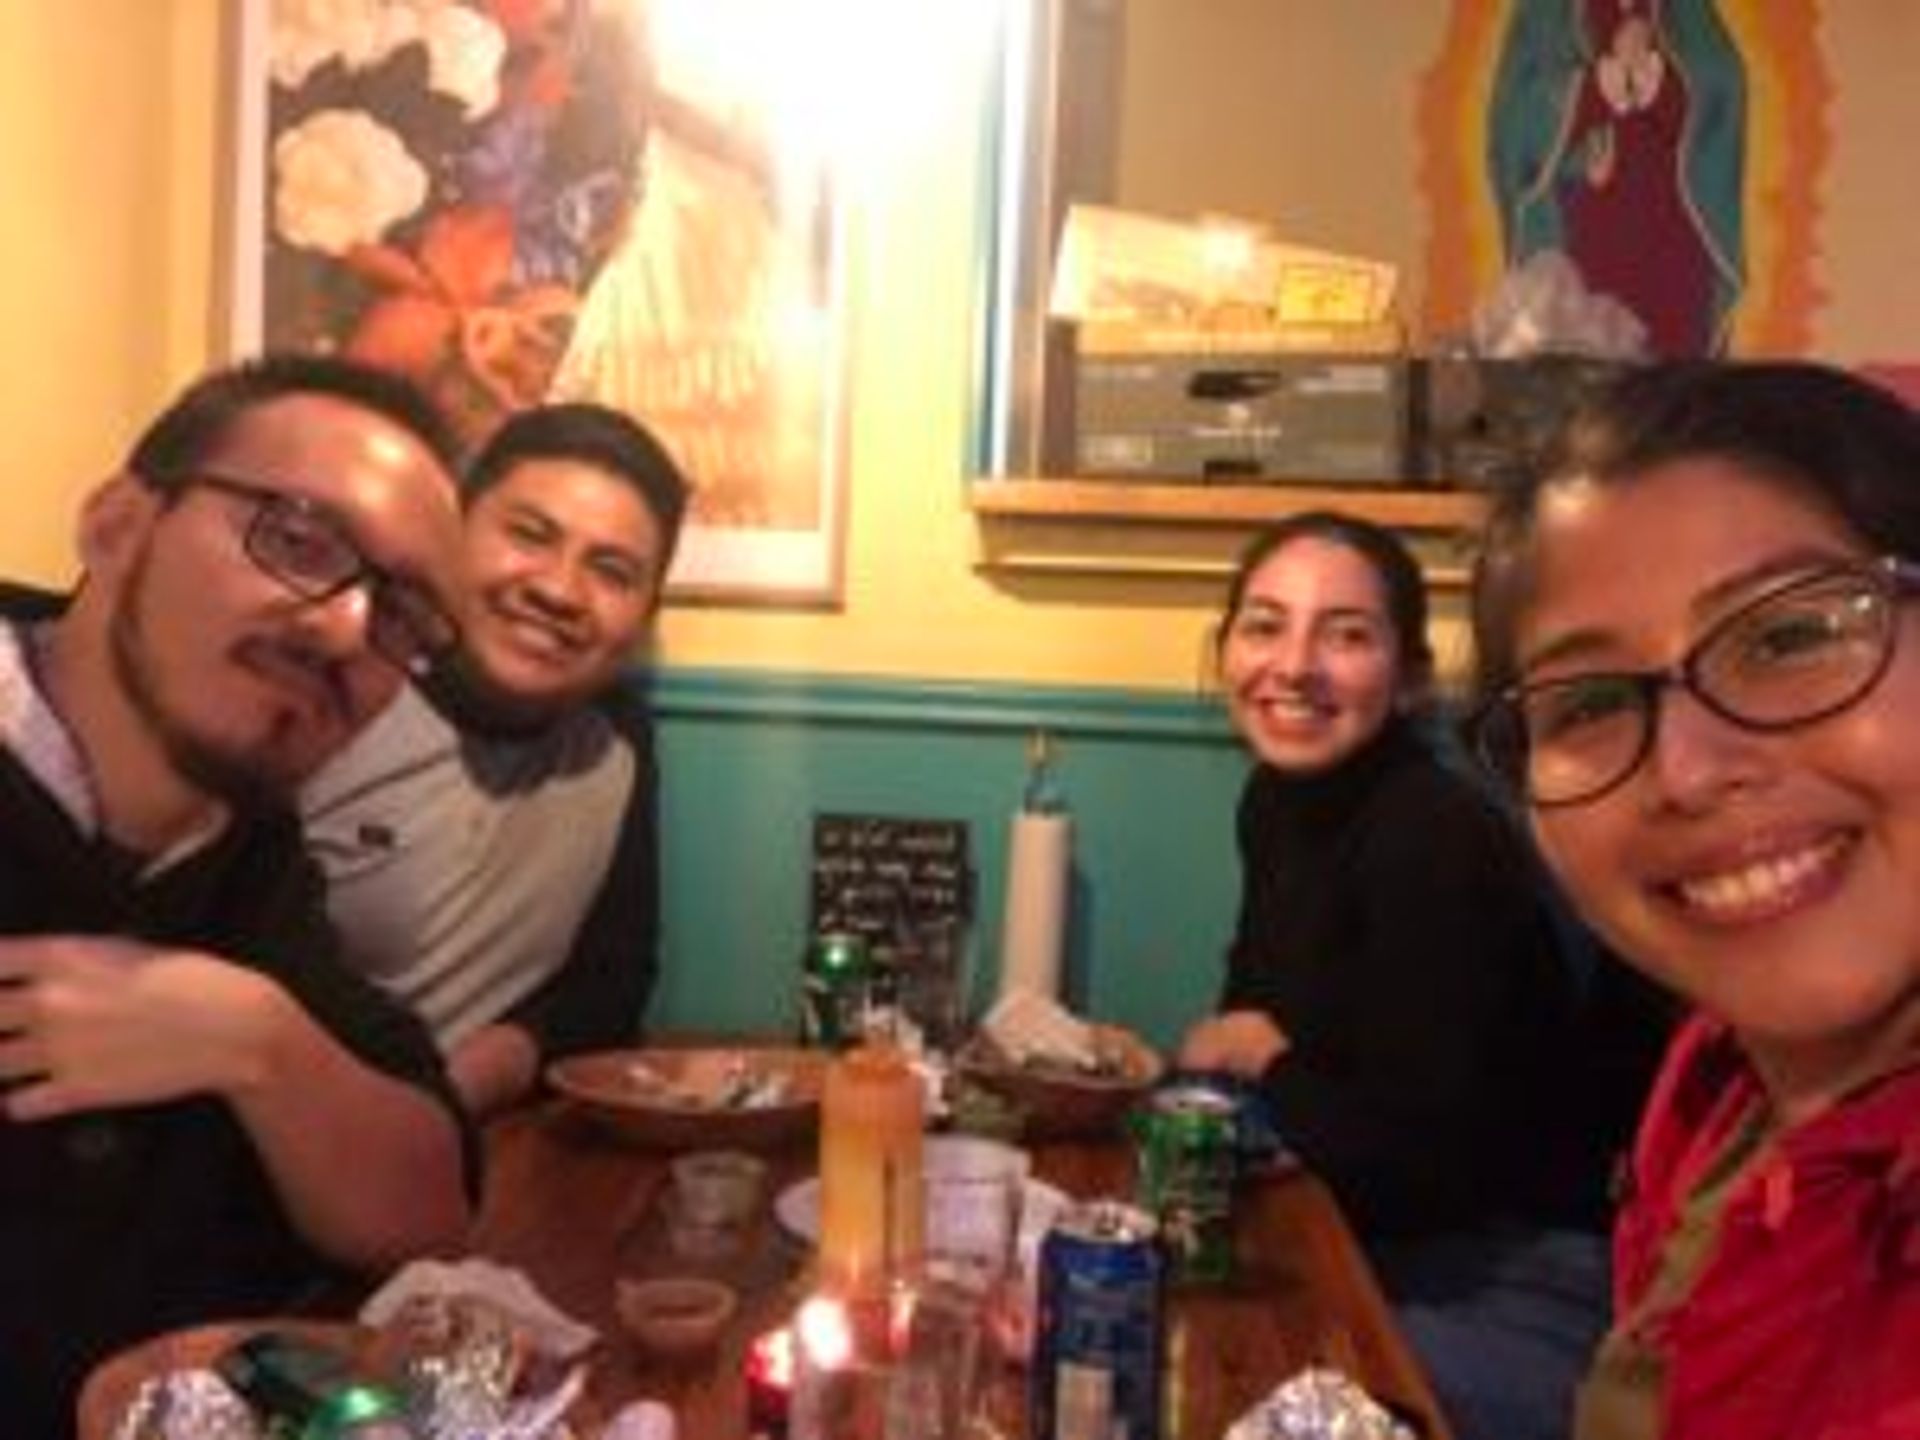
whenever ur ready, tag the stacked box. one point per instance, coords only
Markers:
(1335, 418)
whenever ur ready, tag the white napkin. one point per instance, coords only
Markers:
(549, 1328)
(1026, 1025)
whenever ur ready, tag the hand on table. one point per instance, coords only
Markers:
(1241, 1042)
(89, 1022)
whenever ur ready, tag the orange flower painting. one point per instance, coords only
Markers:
(511, 201)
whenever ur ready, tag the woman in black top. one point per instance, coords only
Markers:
(1395, 985)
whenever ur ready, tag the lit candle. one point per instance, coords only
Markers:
(769, 1384)
(870, 1144)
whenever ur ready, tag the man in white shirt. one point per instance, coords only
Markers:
(501, 876)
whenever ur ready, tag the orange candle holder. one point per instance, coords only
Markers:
(871, 1123)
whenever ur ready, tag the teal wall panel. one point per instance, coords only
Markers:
(747, 758)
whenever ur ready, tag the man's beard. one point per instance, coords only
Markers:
(245, 777)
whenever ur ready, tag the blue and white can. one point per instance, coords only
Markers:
(1099, 1349)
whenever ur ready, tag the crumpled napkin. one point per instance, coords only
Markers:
(1543, 307)
(545, 1326)
(1027, 1026)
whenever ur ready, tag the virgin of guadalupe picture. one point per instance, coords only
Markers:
(1619, 142)
(1672, 153)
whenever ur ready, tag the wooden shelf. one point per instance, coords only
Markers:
(1131, 501)
(1133, 530)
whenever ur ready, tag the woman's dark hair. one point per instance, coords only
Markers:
(1385, 552)
(1839, 441)
(195, 426)
(592, 435)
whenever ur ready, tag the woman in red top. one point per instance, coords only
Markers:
(1702, 668)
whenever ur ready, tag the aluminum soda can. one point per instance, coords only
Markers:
(833, 989)
(1185, 1151)
(1100, 1336)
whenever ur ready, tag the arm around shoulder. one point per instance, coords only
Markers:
(598, 998)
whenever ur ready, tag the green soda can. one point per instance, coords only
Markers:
(833, 989)
(1184, 1169)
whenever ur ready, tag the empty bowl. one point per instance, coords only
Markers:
(676, 1317)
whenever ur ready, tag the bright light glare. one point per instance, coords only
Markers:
(825, 1332)
(826, 83)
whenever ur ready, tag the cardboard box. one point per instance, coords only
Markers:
(1334, 418)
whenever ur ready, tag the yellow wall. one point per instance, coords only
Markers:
(109, 131)
(1295, 113)
(109, 122)
(105, 159)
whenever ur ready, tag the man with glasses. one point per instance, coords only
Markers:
(503, 881)
(183, 1061)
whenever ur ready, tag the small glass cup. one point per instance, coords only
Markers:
(716, 1194)
(933, 984)
(972, 1190)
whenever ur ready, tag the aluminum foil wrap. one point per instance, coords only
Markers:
(457, 1361)
(1318, 1404)
(465, 1372)
(186, 1405)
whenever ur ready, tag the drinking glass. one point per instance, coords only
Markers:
(716, 1194)
(933, 983)
(908, 1361)
(954, 1304)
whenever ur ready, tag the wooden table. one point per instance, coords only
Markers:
(564, 1202)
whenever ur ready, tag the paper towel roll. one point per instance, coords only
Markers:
(1039, 878)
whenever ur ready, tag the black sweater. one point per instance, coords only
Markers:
(122, 1222)
(1395, 926)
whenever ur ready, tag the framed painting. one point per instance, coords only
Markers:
(511, 201)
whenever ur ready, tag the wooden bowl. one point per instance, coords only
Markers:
(671, 1099)
(1058, 1103)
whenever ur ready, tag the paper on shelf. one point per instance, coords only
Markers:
(1211, 274)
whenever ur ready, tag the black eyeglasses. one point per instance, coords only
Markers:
(1802, 651)
(302, 544)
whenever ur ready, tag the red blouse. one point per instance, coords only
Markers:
(1804, 1320)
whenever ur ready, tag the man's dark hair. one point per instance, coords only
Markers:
(592, 435)
(201, 417)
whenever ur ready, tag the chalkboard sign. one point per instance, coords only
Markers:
(872, 873)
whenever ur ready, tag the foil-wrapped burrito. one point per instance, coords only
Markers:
(1319, 1404)
(453, 1366)
(186, 1405)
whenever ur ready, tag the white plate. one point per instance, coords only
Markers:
(797, 1207)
